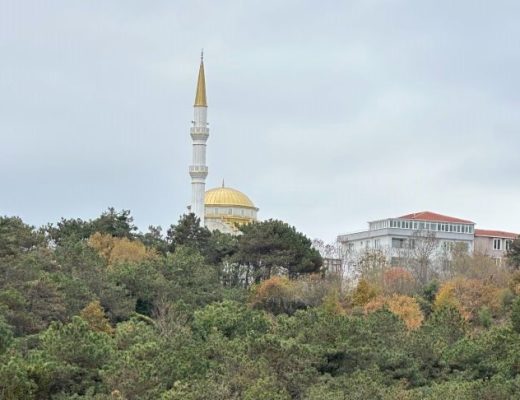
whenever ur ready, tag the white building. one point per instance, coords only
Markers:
(397, 238)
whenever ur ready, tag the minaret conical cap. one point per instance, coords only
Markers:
(200, 96)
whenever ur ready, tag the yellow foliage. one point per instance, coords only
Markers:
(117, 250)
(95, 316)
(405, 307)
(103, 244)
(126, 250)
(363, 293)
(468, 296)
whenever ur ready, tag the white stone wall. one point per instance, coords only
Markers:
(198, 169)
(217, 224)
(241, 212)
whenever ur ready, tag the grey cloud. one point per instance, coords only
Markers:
(327, 115)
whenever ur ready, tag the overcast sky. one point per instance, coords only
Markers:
(326, 114)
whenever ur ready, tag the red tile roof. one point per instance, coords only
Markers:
(497, 234)
(431, 216)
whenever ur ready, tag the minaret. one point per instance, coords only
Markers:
(199, 134)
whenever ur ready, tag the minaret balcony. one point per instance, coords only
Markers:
(199, 130)
(199, 137)
(198, 171)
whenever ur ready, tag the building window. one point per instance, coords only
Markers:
(508, 244)
(398, 243)
(497, 244)
(377, 244)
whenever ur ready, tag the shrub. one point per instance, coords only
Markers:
(404, 307)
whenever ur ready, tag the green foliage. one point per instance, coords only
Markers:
(154, 239)
(6, 335)
(485, 318)
(115, 223)
(220, 247)
(272, 247)
(17, 237)
(111, 222)
(77, 344)
(513, 254)
(191, 279)
(230, 319)
(69, 231)
(357, 386)
(515, 315)
(184, 321)
(33, 305)
(188, 233)
(15, 383)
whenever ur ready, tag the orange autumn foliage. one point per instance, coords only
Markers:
(273, 294)
(280, 294)
(405, 307)
(398, 280)
(275, 286)
(468, 296)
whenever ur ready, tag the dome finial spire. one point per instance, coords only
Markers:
(200, 96)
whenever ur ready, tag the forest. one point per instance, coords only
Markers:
(95, 309)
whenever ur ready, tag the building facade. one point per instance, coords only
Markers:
(406, 236)
(494, 244)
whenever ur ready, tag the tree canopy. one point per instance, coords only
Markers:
(273, 247)
(95, 310)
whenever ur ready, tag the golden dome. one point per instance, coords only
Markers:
(225, 196)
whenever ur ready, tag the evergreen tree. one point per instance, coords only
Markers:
(513, 254)
(272, 247)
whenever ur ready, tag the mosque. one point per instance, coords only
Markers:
(222, 208)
